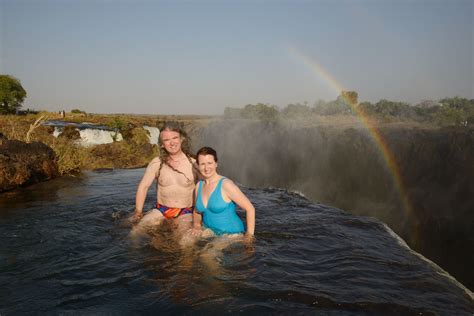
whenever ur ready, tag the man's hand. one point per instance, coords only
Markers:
(137, 216)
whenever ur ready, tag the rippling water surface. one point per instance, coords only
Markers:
(65, 248)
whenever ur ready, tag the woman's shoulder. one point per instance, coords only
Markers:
(227, 183)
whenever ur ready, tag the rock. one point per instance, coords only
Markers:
(70, 132)
(2, 139)
(23, 164)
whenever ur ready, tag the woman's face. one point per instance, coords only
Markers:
(171, 141)
(207, 165)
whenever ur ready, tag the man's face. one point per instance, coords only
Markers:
(171, 141)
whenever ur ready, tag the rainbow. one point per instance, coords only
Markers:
(366, 121)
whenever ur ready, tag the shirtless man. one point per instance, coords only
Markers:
(176, 174)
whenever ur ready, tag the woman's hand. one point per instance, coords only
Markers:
(195, 231)
(249, 237)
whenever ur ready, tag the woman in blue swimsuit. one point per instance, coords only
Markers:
(216, 199)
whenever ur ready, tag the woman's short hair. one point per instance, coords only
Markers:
(206, 151)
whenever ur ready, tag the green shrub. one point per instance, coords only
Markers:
(69, 157)
(77, 111)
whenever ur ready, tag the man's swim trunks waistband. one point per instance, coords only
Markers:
(173, 212)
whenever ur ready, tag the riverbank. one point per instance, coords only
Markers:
(134, 151)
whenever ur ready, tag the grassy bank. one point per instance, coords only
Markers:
(133, 152)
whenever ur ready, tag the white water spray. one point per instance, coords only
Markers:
(153, 134)
(57, 131)
(91, 137)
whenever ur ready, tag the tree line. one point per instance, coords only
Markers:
(448, 111)
(454, 111)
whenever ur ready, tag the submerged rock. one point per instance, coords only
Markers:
(23, 164)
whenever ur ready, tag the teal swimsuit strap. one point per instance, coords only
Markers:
(199, 187)
(219, 190)
(218, 187)
(199, 193)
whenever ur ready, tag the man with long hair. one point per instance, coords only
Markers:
(175, 172)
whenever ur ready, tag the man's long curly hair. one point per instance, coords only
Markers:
(164, 155)
(174, 127)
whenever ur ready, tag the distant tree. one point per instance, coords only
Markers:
(426, 110)
(319, 103)
(426, 104)
(12, 94)
(367, 107)
(297, 110)
(456, 103)
(351, 97)
(391, 108)
(77, 111)
(232, 113)
(338, 106)
(455, 111)
(260, 111)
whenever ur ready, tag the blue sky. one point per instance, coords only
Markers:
(198, 57)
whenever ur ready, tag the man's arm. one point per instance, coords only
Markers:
(197, 217)
(145, 183)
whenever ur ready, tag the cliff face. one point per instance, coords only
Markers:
(23, 164)
(345, 168)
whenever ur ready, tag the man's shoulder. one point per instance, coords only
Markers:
(155, 163)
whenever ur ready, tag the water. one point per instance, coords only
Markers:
(65, 249)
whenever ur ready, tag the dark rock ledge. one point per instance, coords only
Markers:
(23, 164)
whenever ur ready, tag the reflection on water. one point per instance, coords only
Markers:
(65, 248)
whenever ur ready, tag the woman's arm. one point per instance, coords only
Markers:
(145, 183)
(233, 193)
(197, 217)
(197, 220)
